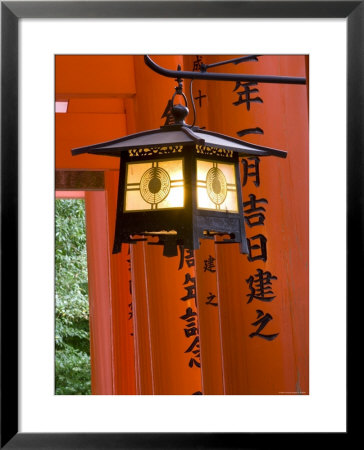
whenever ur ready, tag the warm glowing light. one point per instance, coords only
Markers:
(154, 185)
(216, 186)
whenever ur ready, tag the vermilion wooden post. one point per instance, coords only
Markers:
(171, 303)
(143, 352)
(208, 313)
(160, 305)
(252, 363)
(121, 299)
(199, 92)
(205, 257)
(96, 113)
(99, 294)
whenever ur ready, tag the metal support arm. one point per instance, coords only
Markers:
(188, 75)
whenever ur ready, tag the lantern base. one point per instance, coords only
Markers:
(172, 241)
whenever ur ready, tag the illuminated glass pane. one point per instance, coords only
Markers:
(174, 169)
(202, 168)
(154, 185)
(135, 172)
(216, 186)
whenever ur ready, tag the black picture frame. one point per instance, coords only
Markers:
(11, 12)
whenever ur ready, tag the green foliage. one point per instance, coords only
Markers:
(72, 358)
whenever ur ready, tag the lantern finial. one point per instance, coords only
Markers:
(179, 113)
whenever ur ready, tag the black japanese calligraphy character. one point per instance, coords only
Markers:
(181, 256)
(190, 314)
(189, 279)
(251, 169)
(210, 298)
(191, 290)
(189, 257)
(130, 311)
(191, 328)
(209, 264)
(245, 96)
(193, 331)
(260, 286)
(193, 361)
(195, 343)
(200, 97)
(261, 323)
(261, 247)
(197, 63)
(253, 214)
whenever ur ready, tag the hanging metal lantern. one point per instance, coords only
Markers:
(179, 183)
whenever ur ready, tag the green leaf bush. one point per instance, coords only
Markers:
(72, 336)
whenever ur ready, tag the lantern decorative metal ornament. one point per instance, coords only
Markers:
(179, 183)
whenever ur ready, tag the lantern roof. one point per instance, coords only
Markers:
(177, 135)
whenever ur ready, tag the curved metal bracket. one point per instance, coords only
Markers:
(187, 75)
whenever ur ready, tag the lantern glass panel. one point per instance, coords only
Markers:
(154, 185)
(216, 186)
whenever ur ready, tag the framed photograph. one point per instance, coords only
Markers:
(40, 43)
